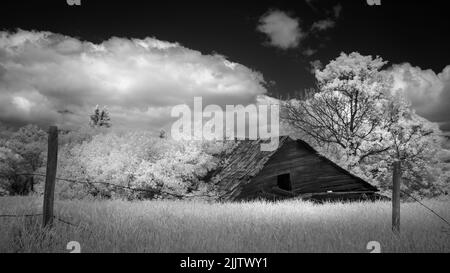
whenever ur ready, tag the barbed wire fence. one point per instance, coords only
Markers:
(87, 182)
(53, 146)
(425, 206)
(108, 184)
(153, 191)
(50, 181)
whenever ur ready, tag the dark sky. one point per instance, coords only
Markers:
(400, 31)
(41, 83)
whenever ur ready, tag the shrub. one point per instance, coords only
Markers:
(137, 160)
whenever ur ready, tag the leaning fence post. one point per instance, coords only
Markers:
(396, 179)
(50, 177)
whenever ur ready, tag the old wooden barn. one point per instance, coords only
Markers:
(294, 170)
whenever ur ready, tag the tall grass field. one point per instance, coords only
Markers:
(179, 226)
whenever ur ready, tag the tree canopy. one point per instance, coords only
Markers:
(355, 117)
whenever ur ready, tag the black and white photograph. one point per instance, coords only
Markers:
(245, 129)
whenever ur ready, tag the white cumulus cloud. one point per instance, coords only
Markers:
(428, 91)
(51, 78)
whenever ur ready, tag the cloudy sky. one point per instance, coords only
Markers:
(58, 61)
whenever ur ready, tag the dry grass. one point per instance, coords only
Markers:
(164, 226)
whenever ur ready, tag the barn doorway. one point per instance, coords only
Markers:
(284, 182)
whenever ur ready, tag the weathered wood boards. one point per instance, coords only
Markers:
(250, 173)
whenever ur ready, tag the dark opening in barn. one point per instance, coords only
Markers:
(284, 182)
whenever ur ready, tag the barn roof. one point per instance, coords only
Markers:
(244, 162)
(247, 160)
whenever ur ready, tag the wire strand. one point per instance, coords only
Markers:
(65, 222)
(425, 206)
(109, 184)
(20, 215)
(175, 195)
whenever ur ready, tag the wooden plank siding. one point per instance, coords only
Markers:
(254, 176)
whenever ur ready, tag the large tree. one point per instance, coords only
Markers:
(347, 108)
(357, 118)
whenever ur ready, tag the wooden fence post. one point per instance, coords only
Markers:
(50, 177)
(396, 179)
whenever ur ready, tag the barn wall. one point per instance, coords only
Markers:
(309, 174)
